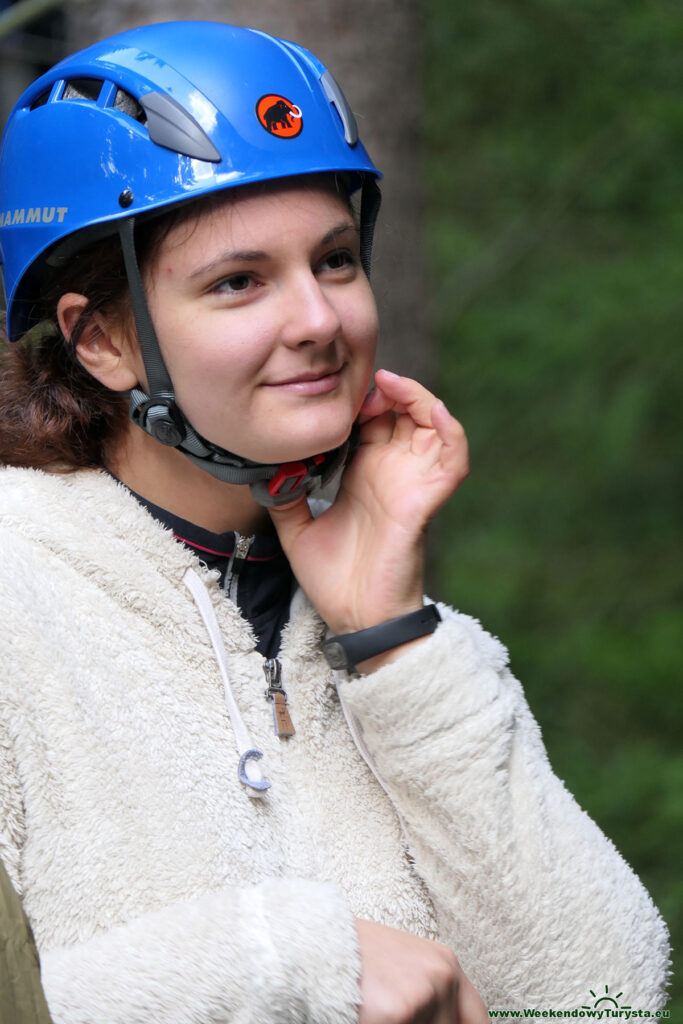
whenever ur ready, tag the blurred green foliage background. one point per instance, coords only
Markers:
(554, 156)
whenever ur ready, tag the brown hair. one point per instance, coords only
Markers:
(53, 413)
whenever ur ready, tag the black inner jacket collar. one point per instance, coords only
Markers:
(265, 582)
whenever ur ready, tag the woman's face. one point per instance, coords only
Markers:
(266, 321)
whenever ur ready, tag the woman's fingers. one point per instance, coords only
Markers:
(406, 396)
(402, 411)
(454, 454)
(398, 394)
(375, 403)
(379, 429)
(470, 1006)
(290, 521)
(405, 979)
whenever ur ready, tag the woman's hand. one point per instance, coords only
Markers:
(406, 980)
(362, 561)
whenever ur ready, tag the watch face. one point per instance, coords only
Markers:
(335, 654)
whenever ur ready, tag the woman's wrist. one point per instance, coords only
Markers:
(342, 625)
(367, 649)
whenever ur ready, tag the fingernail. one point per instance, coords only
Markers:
(389, 373)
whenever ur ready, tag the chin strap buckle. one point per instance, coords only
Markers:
(158, 416)
(291, 475)
(305, 476)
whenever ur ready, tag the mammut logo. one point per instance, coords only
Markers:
(279, 117)
(33, 215)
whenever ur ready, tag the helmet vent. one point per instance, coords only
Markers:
(338, 101)
(128, 105)
(41, 100)
(82, 89)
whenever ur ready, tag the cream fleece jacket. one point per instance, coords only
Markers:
(419, 796)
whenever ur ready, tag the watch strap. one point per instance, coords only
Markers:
(348, 649)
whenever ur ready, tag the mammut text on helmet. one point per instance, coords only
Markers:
(33, 215)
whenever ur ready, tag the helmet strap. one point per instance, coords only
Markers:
(370, 202)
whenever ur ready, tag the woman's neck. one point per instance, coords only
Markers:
(168, 479)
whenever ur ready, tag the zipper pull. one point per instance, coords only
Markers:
(281, 719)
(237, 561)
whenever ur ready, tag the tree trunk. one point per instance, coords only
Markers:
(372, 48)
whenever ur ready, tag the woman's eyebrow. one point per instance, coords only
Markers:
(256, 255)
(230, 256)
(339, 229)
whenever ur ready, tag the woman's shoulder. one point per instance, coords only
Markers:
(85, 517)
(30, 494)
(37, 506)
(32, 497)
(79, 548)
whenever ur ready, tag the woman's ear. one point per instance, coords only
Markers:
(102, 348)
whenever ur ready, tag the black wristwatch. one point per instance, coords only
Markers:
(346, 650)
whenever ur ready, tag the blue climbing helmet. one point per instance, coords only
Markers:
(147, 119)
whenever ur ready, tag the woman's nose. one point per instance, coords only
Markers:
(311, 315)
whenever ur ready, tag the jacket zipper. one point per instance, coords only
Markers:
(237, 562)
(282, 722)
(272, 668)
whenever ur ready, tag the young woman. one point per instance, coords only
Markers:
(248, 772)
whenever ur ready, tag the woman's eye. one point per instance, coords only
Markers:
(338, 259)
(234, 283)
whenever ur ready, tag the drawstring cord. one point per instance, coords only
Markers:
(249, 773)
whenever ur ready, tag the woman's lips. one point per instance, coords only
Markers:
(310, 384)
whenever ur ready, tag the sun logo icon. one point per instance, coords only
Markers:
(607, 998)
